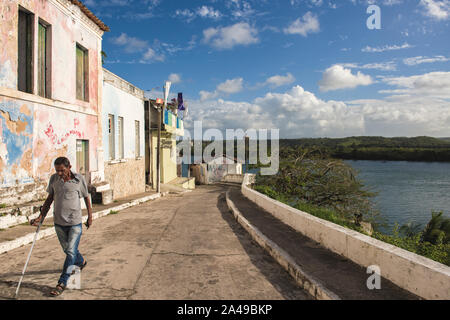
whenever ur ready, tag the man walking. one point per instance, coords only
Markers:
(66, 188)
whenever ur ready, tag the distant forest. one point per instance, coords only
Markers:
(368, 148)
(378, 148)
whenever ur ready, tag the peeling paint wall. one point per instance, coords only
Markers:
(8, 43)
(35, 130)
(56, 133)
(33, 135)
(16, 142)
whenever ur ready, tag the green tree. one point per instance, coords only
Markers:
(309, 175)
(104, 56)
(437, 230)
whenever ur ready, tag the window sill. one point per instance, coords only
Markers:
(117, 161)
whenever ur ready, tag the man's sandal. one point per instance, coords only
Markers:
(58, 290)
(83, 265)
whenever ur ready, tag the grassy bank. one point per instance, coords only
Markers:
(437, 252)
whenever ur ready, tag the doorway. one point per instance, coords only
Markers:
(83, 158)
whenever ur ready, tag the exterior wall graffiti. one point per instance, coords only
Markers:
(36, 128)
(123, 140)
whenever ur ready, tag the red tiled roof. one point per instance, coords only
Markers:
(90, 15)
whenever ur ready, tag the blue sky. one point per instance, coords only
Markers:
(308, 67)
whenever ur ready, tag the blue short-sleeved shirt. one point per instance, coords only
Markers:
(66, 198)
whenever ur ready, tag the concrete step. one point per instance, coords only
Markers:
(23, 213)
(19, 214)
(318, 270)
(182, 182)
(22, 234)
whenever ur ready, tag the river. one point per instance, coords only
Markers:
(408, 191)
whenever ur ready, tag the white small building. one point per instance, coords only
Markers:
(216, 169)
(230, 165)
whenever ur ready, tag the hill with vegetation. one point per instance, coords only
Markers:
(378, 148)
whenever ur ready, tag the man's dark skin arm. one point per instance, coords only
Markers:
(89, 210)
(44, 211)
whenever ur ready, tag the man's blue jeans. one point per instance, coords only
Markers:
(69, 238)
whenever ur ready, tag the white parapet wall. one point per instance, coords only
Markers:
(233, 178)
(424, 277)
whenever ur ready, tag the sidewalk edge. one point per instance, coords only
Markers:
(28, 238)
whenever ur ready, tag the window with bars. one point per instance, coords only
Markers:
(137, 147)
(120, 127)
(111, 133)
(82, 75)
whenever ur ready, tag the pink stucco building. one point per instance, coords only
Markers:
(50, 94)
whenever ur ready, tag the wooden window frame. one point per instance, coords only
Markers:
(28, 69)
(44, 57)
(84, 94)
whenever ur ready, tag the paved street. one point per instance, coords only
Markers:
(183, 246)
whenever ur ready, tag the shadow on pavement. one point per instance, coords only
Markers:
(272, 271)
(10, 287)
(29, 273)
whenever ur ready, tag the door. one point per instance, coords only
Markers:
(83, 158)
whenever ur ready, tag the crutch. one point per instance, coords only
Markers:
(29, 254)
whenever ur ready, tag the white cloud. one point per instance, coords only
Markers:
(203, 12)
(151, 55)
(420, 59)
(309, 23)
(208, 12)
(299, 113)
(337, 77)
(277, 81)
(186, 13)
(174, 78)
(309, 3)
(131, 44)
(439, 10)
(228, 87)
(383, 66)
(392, 2)
(240, 9)
(386, 48)
(206, 95)
(231, 86)
(227, 37)
(436, 84)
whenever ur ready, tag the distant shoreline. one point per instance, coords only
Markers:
(417, 149)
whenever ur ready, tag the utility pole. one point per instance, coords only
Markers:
(158, 152)
(158, 148)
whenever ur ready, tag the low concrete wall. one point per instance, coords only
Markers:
(422, 276)
(23, 193)
(126, 178)
(233, 178)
